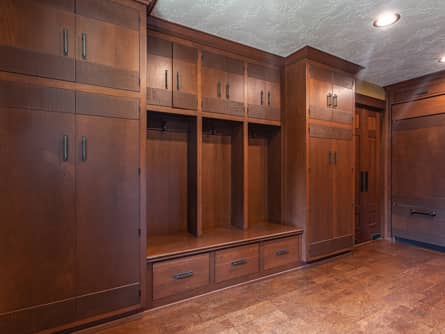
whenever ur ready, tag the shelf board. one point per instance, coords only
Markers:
(226, 117)
(173, 245)
(169, 110)
(264, 121)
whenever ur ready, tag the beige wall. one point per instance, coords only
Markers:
(369, 89)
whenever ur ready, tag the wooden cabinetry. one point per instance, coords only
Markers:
(263, 92)
(171, 74)
(223, 84)
(319, 170)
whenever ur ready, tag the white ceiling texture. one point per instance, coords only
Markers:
(408, 49)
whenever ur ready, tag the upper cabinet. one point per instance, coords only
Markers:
(171, 74)
(331, 95)
(37, 38)
(263, 92)
(107, 44)
(222, 84)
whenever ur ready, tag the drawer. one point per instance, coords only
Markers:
(182, 275)
(236, 262)
(281, 252)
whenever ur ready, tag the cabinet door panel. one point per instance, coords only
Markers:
(321, 189)
(107, 51)
(344, 192)
(107, 196)
(344, 98)
(320, 87)
(36, 206)
(213, 82)
(185, 77)
(273, 101)
(38, 38)
(159, 72)
(234, 87)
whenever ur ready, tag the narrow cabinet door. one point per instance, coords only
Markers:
(107, 44)
(343, 98)
(107, 197)
(37, 213)
(256, 91)
(320, 93)
(159, 72)
(213, 82)
(234, 86)
(273, 95)
(184, 76)
(37, 38)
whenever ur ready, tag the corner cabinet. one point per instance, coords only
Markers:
(319, 150)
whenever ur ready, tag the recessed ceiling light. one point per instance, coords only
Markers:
(386, 19)
(442, 60)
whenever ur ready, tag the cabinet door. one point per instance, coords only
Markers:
(320, 93)
(159, 72)
(37, 37)
(185, 77)
(273, 100)
(107, 44)
(343, 98)
(234, 86)
(256, 91)
(344, 188)
(107, 197)
(321, 190)
(213, 82)
(37, 214)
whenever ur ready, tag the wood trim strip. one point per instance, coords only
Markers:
(424, 107)
(33, 63)
(160, 97)
(185, 100)
(105, 105)
(425, 202)
(322, 131)
(110, 12)
(34, 97)
(255, 111)
(330, 246)
(419, 123)
(370, 102)
(106, 76)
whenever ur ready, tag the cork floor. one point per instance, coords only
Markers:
(381, 288)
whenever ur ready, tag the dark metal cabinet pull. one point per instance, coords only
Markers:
(166, 79)
(423, 213)
(335, 100)
(239, 262)
(65, 42)
(335, 158)
(268, 98)
(177, 80)
(329, 100)
(65, 148)
(366, 181)
(228, 91)
(362, 182)
(84, 45)
(330, 157)
(183, 275)
(218, 89)
(281, 252)
(262, 97)
(84, 148)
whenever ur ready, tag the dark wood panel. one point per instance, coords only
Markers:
(236, 262)
(419, 123)
(185, 77)
(281, 252)
(320, 92)
(109, 11)
(106, 105)
(182, 275)
(425, 107)
(263, 73)
(107, 197)
(332, 246)
(210, 104)
(161, 97)
(33, 97)
(159, 72)
(322, 131)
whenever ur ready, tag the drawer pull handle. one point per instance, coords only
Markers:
(84, 46)
(239, 262)
(65, 148)
(281, 252)
(335, 100)
(65, 42)
(423, 213)
(329, 100)
(183, 275)
(84, 148)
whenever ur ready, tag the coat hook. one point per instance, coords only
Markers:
(164, 126)
(212, 131)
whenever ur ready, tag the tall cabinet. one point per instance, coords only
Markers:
(70, 144)
(319, 155)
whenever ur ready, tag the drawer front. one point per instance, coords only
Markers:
(281, 252)
(236, 262)
(178, 276)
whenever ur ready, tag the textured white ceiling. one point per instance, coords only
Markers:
(341, 27)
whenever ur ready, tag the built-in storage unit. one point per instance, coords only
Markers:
(70, 199)
(319, 153)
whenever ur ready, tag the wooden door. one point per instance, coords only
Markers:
(320, 93)
(367, 174)
(107, 44)
(107, 197)
(37, 212)
(343, 98)
(343, 189)
(234, 86)
(159, 72)
(273, 97)
(256, 91)
(213, 82)
(321, 183)
(185, 79)
(37, 38)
